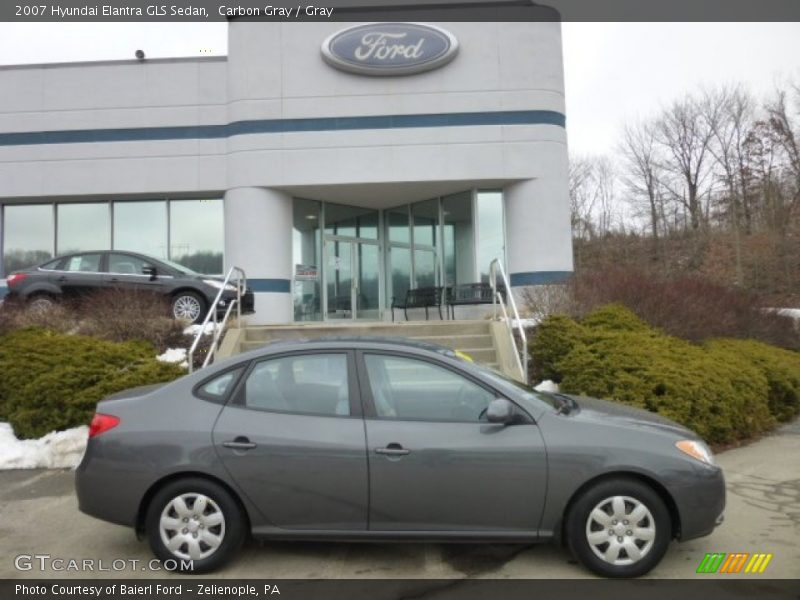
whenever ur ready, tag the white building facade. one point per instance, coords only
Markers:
(335, 187)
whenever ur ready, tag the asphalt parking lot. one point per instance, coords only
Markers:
(39, 516)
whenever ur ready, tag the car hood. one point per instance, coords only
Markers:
(615, 413)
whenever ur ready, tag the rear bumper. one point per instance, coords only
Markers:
(700, 502)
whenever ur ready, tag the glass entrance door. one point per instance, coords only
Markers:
(352, 279)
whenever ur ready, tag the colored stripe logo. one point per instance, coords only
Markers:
(736, 562)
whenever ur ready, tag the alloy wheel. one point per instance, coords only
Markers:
(186, 307)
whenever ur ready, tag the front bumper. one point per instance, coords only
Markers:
(700, 501)
(248, 303)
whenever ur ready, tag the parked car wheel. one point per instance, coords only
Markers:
(619, 528)
(189, 306)
(41, 303)
(194, 520)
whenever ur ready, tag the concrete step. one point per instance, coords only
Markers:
(413, 329)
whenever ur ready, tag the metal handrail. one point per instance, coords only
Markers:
(497, 299)
(241, 283)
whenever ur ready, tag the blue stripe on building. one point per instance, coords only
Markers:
(3, 290)
(539, 277)
(191, 132)
(281, 286)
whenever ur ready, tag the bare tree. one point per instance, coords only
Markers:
(685, 131)
(642, 173)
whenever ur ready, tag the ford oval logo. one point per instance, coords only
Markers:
(390, 48)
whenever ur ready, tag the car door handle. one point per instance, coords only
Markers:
(393, 450)
(62, 279)
(240, 443)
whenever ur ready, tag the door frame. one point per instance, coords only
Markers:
(354, 266)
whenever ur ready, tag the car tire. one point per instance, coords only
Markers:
(189, 306)
(619, 528)
(41, 303)
(212, 535)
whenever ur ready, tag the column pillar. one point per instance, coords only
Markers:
(538, 227)
(258, 238)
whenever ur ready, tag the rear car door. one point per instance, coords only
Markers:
(435, 464)
(79, 274)
(292, 438)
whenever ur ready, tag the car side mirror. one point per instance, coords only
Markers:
(500, 410)
(151, 271)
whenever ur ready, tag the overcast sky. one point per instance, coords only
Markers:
(614, 71)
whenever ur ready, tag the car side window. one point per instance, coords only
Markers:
(86, 263)
(301, 384)
(412, 389)
(125, 264)
(217, 388)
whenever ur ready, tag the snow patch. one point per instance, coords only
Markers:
(56, 450)
(547, 386)
(174, 355)
(193, 330)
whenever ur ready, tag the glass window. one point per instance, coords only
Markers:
(491, 239)
(303, 384)
(400, 271)
(424, 268)
(83, 227)
(28, 233)
(87, 263)
(218, 387)
(306, 259)
(412, 389)
(426, 221)
(397, 224)
(351, 221)
(141, 227)
(459, 247)
(125, 264)
(197, 234)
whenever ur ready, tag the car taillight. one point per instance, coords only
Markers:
(15, 278)
(102, 423)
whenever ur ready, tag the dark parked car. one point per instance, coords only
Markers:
(369, 439)
(190, 294)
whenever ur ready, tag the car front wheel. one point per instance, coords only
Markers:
(188, 306)
(194, 525)
(619, 528)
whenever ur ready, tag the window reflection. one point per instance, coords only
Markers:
(197, 234)
(459, 249)
(426, 221)
(83, 227)
(141, 227)
(351, 221)
(491, 238)
(306, 259)
(28, 233)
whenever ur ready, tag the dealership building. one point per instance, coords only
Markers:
(338, 164)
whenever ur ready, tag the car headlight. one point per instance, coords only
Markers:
(697, 450)
(218, 285)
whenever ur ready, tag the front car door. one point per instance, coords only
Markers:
(292, 438)
(435, 464)
(126, 271)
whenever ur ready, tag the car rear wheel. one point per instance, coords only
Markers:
(619, 528)
(41, 303)
(195, 523)
(188, 306)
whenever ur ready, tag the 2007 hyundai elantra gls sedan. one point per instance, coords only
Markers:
(368, 439)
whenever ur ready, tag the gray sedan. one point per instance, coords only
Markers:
(376, 439)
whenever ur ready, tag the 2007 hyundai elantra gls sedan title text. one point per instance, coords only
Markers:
(375, 439)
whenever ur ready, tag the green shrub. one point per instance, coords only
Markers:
(52, 381)
(553, 339)
(780, 367)
(724, 390)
